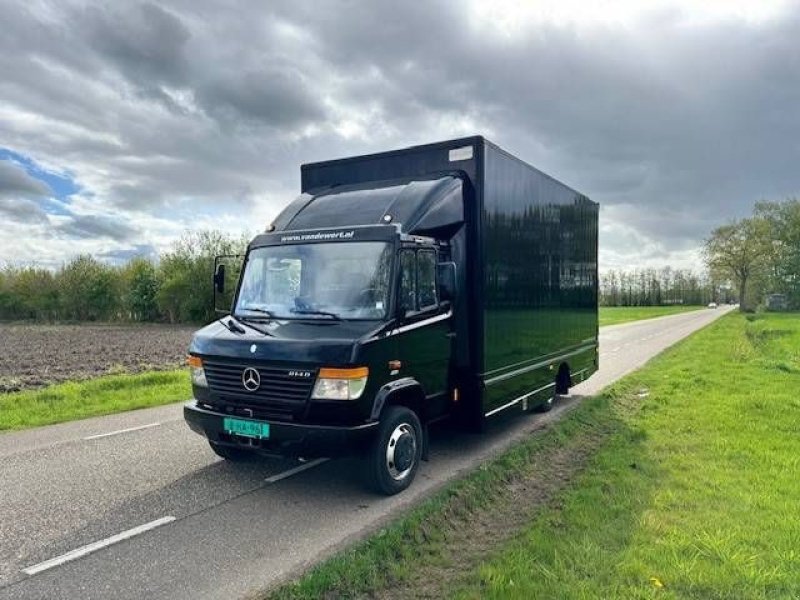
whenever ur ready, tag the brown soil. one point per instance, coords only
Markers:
(473, 535)
(37, 355)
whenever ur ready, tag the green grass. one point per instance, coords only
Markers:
(613, 315)
(692, 493)
(696, 498)
(99, 396)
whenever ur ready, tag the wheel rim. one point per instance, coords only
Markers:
(401, 451)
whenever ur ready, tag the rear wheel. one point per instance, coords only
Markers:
(560, 386)
(548, 404)
(396, 451)
(231, 453)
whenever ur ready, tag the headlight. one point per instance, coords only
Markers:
(196, 369)
(340, 384)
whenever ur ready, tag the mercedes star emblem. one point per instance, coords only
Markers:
(251, 380)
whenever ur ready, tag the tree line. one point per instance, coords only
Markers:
(759, 255)
(656, 287)
(177, 288)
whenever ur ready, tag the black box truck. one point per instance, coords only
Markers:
(400, 288)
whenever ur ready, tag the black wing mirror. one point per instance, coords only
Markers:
(221, 264)
(219, 278)
(446, 280)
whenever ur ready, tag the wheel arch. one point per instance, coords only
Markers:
(406, 392)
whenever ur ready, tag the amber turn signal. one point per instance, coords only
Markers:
(194, 361)
(356, 373)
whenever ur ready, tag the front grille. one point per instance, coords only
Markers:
(278, 388)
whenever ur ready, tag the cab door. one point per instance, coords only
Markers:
(425, 338)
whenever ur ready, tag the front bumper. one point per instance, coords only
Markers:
(287, 439)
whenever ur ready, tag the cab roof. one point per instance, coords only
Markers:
(419, 206)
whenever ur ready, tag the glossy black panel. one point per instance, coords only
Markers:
(540, 271)
(526, 259)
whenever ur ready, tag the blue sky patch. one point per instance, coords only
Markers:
(63, 186)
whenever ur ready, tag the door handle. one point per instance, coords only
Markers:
(451, 334)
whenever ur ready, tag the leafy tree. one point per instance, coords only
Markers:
(782, 246)
(89, 290)
(28, 293)
(140, 287)
(737, 252)
(185, 274)
(37, 294)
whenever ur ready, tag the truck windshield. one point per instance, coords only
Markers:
(337, 280)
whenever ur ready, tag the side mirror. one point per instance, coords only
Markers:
(219, 278)
(446, 280)
(221, 264)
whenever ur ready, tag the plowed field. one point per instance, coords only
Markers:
(37, 355)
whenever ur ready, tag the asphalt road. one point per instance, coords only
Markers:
(198, 527)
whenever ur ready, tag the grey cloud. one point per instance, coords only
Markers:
(21, 210)
(96, 226)
(270, 95)
(141, 39)
(15, 182)
(123, 255)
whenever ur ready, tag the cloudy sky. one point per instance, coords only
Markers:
(123, 124)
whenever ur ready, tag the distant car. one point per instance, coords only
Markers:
(712, 305)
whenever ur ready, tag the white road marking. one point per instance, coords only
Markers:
(298, 469)
(118, 431)
(95, 546)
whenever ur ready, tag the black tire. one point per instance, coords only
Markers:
(548, 404)
(395, 454)
(231, 453)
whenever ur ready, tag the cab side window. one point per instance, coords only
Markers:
(418, 280)
(426, 280)
(408, 281)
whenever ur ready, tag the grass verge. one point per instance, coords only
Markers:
(93, 397)
(682, 484)
(614, 315)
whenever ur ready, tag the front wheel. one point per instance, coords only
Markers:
(395, 453)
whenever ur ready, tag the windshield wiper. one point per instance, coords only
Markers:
(324, 313)
(232, 325)
(244, 321)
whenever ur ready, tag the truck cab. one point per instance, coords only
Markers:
(339, 339)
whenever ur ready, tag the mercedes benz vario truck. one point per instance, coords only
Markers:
(400, 288)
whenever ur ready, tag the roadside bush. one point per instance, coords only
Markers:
(28, 293)
(89, 290)
(140, 288)
(185, 292)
